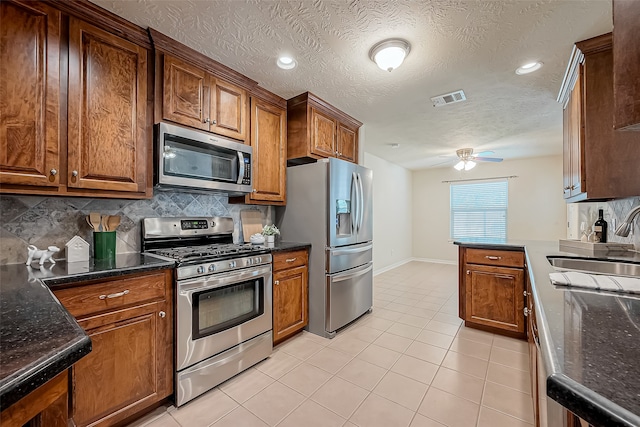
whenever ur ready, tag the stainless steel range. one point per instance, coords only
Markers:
(223, 300)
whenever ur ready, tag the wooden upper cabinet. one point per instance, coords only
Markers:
(316, 130)
(626, 65)
(323, 134)
(269, 143)
(30, 41)
(347, 144)
(184, 99)
(599, 162)
(107, 146)
(193, 97)
(229, 110)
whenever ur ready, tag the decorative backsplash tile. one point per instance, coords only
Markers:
(615, 211)
(46, 221)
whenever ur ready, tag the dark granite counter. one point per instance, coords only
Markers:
(589, 340)
(38, 337)
(288, 246)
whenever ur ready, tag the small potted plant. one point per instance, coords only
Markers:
(269, 232)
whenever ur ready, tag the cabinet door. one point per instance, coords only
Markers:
(290, 311)
(269, 142)
(229, 110)
(124, 372)
(323, 134)
(108, 141)
(495, 297)
(185, 94)
(347, 144)
(30, 94)
(577, 137)
(566, 151)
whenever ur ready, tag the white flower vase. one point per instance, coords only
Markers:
(270, 239)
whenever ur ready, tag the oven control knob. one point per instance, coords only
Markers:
(200, 269)
(232, 264)
(249, 261)
(212, 268)
(258, 259)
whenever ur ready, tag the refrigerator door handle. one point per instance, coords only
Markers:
(354, 202)
(351, 274)
(360, 203)
(351, 250)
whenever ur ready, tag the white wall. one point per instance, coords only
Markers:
(536, 210)
(392, 194)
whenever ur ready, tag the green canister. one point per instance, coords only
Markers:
(104, 244)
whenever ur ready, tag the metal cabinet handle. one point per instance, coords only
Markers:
(213, 122)
(526, 311)
(468, 271)
(277, 282)
(74, 173)
(493, 258)
(116, 295)
(162, 314)
(255, 191)
(53, 172)
(291, 259)
(206, 120)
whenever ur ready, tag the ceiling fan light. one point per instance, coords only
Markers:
(469, 165)
(390, 54)
(459, 166)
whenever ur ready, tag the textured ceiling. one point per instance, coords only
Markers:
(471, 45)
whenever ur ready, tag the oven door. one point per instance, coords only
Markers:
(218, 312)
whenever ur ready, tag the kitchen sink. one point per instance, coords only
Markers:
(595, 266)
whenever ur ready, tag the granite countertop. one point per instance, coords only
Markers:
(590, 341)
(287, 246)
(38, 337)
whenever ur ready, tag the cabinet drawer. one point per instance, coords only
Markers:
(493, 257)
(284, 260)
(103, 296)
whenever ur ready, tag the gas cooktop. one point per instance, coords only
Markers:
(186, 254)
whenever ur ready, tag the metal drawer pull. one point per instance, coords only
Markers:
(116, 295)
(494, 258)
(291, 259)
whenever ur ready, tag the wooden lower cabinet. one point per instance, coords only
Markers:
(131, 364)
(492, 297)
(290, 293)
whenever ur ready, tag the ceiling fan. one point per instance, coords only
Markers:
(468, 160)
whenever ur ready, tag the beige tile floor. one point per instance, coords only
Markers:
(409, 363)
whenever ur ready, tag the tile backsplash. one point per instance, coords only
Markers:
(46, 221)
(615, 212)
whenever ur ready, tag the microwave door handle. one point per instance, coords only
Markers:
(241, 168)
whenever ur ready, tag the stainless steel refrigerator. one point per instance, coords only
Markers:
(329, 204)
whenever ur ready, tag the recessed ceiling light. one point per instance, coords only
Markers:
(529, 68)
(286, 62)
(389, 54)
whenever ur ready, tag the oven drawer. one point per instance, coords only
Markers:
(285, 260)
(494, 257)
(98, 297)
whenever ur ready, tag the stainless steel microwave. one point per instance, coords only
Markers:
(201, 161)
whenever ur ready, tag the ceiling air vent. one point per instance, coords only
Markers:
(448, 98)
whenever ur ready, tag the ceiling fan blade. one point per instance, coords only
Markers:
(487, 159)
(484, 153)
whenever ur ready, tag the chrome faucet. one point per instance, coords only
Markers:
(625, 227)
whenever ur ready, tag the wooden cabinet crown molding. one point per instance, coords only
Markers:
(172, 47)
(323, 105)
(265, 95)
(103, 19)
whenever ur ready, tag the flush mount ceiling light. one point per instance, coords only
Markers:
(286, 62)
(389, 54)
(465, 164)
(529, 68)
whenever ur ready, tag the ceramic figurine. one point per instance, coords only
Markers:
(77, 250)
(42, 255)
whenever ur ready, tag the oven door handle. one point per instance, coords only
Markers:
(241, 171)
(219, 281)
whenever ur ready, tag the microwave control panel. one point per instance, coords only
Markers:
(246, 179)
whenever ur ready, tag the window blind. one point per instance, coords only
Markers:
(479, 211)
